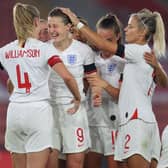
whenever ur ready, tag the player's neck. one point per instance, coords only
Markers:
(64, 44)
(105, 56)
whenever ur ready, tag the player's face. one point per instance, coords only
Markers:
(133, 34)
(44, 35)
(58, 31)
(109, 35)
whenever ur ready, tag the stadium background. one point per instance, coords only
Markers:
(91, 10)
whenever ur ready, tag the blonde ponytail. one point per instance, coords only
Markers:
(23, 19)
(152, 21)
(159, 36)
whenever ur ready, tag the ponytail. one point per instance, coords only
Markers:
(23, 19)
(153, 22)
(159, 36)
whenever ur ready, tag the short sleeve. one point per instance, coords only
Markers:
(89, 56)
(89, 62)
(134, 53)
(51, 55)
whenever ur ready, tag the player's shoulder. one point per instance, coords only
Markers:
(44, 46)
(137, 47)
(31, 42)
(9, 45)
(81, 46)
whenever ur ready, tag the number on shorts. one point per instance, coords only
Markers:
(26, 84)
(114, 136)
(127, 138)
(79, 133)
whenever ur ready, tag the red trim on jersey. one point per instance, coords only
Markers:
(89, 72)
(154, 79)
(54, 60)
(135, 114)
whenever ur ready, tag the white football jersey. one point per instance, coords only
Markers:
(75, 57)
(163, 162)
(138, 85)
(28, 69)
(110, 69)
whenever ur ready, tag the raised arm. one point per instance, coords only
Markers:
(10, 86)
(161, 76)
(90, 35)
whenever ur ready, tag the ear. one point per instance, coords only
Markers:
(143, 32)
(69, 27)
(118, 36)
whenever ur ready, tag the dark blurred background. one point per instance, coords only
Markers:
(91, 10)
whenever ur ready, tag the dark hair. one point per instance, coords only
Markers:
(58, 13)
(110, 21)
(81, 19)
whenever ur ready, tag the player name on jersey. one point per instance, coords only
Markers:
(32, 53)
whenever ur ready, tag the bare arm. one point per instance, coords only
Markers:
(161, 76)
(96, 90)
(96, 81)
(92, 36)
(68, 79)
(97, 41)
(71, 84)
(10, 86)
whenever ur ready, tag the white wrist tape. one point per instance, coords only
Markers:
(79, 25)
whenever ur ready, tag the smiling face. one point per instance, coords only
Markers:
(58, 31)
(133, 33)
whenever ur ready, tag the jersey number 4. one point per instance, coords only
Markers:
(26, 84)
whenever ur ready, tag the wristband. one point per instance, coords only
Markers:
(79, 25)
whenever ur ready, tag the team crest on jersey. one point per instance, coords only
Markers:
(111, 67)
(72, 59)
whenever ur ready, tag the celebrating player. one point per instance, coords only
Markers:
(71, 130)
(104, 120)
(29, 116)
(137, 120)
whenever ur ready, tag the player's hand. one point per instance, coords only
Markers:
(97, 100)
(96, 81)
(75, 108)
(151, 59)
(71, 15)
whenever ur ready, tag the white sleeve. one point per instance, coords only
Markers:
(89, 56)
(132, 53)
(51, 55)
(89, 62)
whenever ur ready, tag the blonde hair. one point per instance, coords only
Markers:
(153, 22)
(23, 19)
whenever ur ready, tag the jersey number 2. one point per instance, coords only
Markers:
(26, 84)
